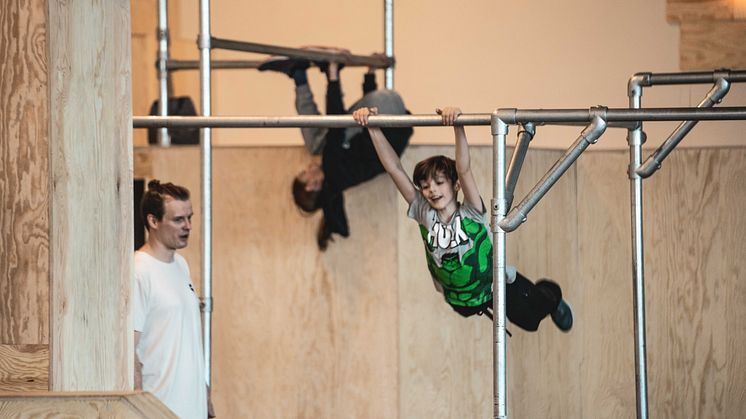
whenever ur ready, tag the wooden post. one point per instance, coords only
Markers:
(90, 203)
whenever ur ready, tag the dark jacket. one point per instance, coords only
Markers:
(347, 167)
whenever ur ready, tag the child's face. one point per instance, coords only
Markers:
(440, 192)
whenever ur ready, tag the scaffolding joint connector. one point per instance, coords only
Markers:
(637, 82)
(529, 128)
(205, 304)
(593, 132)
(500, 119)
(204, 41)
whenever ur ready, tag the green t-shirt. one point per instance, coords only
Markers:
(458, 253)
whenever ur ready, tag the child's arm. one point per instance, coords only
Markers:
(463, 160)
(387, 155)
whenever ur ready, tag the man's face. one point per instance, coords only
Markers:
(173, 230)
(312, 177)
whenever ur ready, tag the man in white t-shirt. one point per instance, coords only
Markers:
(169, 361)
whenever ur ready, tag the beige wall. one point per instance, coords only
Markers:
(359, 331)
(539, 54)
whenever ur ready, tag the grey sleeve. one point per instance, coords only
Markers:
(418, 209)
(313, 138)
(474, 213)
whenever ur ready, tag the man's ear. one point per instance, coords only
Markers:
(152, 221)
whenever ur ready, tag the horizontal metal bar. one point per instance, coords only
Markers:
(509, 116)
(543, 116)
(173, 65)
(334, 121)
(309, 54)
(703, 77)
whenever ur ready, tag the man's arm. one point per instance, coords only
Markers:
(138, 364)
(463, 159)
(387, 155)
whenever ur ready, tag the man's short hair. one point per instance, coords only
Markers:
(430, 167)
(153, 201)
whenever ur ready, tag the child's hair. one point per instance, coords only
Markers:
(308, 201)
(430, 167)
(153, 201)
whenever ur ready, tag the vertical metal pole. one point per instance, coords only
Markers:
(163, 40)
(204, 67)
(499, 134)
(636, 138)
(388, 38)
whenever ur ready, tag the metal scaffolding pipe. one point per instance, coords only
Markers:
(176, 65)
(525, 135)
(303, 121)
(206, 147)
(635, 138)
(589, 136)
(163, 40)
(546, 116)
(388, 41)
(513, 116)
(700, 77)
(309, 54)
(499, 258)
(654, 162)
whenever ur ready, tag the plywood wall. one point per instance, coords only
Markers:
(359, 331)
(711, 33)
(297, 333)
(24, 175)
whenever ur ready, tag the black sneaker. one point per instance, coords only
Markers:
(284, 65)
(562, 316)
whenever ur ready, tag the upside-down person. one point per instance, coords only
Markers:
(348, 157)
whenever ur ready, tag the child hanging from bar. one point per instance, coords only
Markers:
(457, 241)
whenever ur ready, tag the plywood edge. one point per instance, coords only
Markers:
(24, 368)
(138, 404)
(687, 11)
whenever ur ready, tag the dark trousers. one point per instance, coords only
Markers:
(527, 303)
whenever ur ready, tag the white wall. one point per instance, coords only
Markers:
(481, 55)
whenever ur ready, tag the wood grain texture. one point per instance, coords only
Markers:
(362, 329)
(544, 375)
(733, 230)
(297, 333)
(706, 45)
(83, 405)
(684, 268)
(698, 10)
(24, 368)
(24, 174)
(608, 367)
(91, 194)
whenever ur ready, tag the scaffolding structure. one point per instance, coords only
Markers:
(505, 217)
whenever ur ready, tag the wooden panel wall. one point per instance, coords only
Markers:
(360, 332)
(297, 333)
(24, 176)
(91, 195)
(712, 33)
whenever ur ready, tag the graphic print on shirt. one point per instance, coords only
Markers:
(466, 282)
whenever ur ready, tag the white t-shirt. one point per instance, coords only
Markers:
(166, 312)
